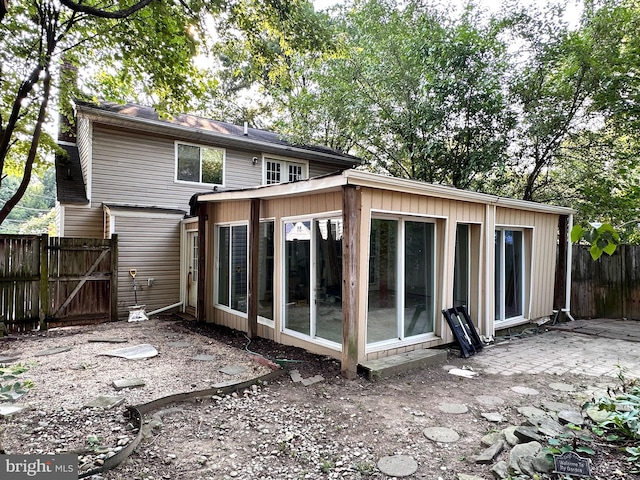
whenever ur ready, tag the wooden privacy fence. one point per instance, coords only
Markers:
(608, 287)
(56, 281)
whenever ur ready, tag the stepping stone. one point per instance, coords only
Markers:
(135, 352)
(489, 400)
(491, 438)
(455, 408)
(509, 436)
(532, 412)
(180, 344)
(487, 455)
(441, 434)
(464, 476)
(6, 410)
(398, 465)
(52, 351)
(562, 387)
(233, 370)
(463, 373)
(570, 416)
(525, 390)
(597, 415)
(108, 340)
(549, 427)
(295, 376)
(104, 402)
(558, 406)
(8, 359)
(311, 380)
(527, 434)
(493, 416)
(204, 358)
(521, 450)
(128, 383)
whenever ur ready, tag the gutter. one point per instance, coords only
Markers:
(567, 290)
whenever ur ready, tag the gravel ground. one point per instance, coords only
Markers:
(332, 429)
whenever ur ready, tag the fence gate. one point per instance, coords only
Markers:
(57, 281)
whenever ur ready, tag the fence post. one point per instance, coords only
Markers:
(624, 291)
(44, 280)
(114, 277)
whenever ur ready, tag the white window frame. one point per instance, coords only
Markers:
(285, 163)
(201, 147)
(216, 285)
(402, 218)
(313, 293)
(268, 322)
(502, 321)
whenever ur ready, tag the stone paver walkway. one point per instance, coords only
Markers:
(561, 352)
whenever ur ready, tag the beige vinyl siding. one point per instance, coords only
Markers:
(318, 169)
(137, 170)
(82, 222)
(152, 246)
(541, 244)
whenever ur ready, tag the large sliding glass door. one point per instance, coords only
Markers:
(401, 279)
(313, 278)
(509, 272)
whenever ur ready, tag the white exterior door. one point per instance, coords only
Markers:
(192, 269)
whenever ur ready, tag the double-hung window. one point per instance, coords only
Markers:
(282, 171)
(197, 164)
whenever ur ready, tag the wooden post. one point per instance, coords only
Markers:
(44, 280)
(113, 287)
(561, 264)
(349, 368)
(624, 281)
(202, 274)
(254, 252)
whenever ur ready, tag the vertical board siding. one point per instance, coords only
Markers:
(152, 247)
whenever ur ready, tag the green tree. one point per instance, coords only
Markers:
(138, 51)
(414, 92)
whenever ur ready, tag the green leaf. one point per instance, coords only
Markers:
(586, 450)
(577, 232)
(595, 252)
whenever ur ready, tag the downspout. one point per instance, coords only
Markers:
(164, 309)
(567, 302)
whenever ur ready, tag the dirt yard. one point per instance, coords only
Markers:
(281, 429)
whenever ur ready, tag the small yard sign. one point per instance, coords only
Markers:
(570, 463)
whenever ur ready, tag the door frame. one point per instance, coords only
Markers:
(187, 226)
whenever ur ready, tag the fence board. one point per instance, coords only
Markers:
(70, 277)
(608, 287)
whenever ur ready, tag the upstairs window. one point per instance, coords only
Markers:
(196, 164)
(282, 171)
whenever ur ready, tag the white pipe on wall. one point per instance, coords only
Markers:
(567, 301)
(164, 309)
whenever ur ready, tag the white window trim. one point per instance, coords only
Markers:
(175, 165)
(312, 338)
(505, 322)
(285, 163)
(267, 322)
(402, 218)
(216, 269)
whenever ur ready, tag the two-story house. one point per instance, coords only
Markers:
(132, 173)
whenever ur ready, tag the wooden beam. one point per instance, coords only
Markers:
(349, 368)
(44, 281)
(114, 277)
(202, 274)
(254, 252)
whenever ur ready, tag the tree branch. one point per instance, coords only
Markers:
(96, 12)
